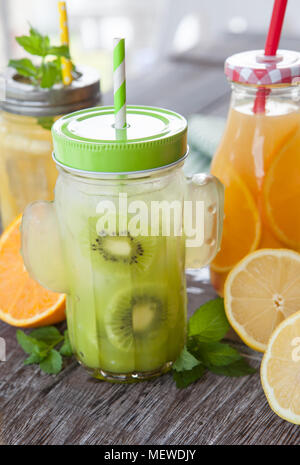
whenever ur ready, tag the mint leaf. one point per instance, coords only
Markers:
(213, 353)
(66, 348)
(34, 32)
(52, 364)
(235, 369)
(33, 358)
(24, 67)
(31, 46)
(185, 361)
(185, 378)
(41, 348)
(46, 122)
(209, 322)
(57, 63)
(35, 44)
(48, 334)
(49, 74)
(28, 343)
(59, 51)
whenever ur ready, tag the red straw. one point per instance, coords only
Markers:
(275, 27)
(260, 100)
(271, 47)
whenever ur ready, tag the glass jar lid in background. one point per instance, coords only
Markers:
(253, 67)
(28, 100)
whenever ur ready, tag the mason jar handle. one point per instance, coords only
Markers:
(41, 246)
(204, 231)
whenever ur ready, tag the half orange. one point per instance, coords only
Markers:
(24, 302)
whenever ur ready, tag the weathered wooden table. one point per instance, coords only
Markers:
(72, 408)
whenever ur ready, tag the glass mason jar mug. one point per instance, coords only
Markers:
(27, 171)
(114, 240)
(258, 158)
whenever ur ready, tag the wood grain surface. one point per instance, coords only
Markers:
(72, 408)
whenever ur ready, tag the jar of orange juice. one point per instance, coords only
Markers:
(258, 159)
(27, 171)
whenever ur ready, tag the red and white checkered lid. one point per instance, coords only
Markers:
(255, 68)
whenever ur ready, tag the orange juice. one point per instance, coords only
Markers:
(258, 161)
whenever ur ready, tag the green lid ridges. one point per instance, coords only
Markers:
(86, 140)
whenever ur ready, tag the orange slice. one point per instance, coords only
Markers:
(218, 280)
(280, 370)
(24, 302)
(260, 292)
(282, 193)
(268, 240)
(242, 226)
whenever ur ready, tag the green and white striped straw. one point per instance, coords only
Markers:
(119, 83)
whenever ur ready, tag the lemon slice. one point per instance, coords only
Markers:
(280, 370)
(260, 292)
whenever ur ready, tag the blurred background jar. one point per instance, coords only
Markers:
(27, 171)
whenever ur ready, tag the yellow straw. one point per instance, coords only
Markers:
(64, 37)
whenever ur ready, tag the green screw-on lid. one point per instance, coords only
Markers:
(87, 140)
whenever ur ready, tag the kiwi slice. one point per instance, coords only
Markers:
(119, 251)
(137, 314)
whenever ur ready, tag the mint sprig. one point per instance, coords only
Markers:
(49, 71)
(42, 347)
(204, 351)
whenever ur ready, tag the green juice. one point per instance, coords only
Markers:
(126, 304)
